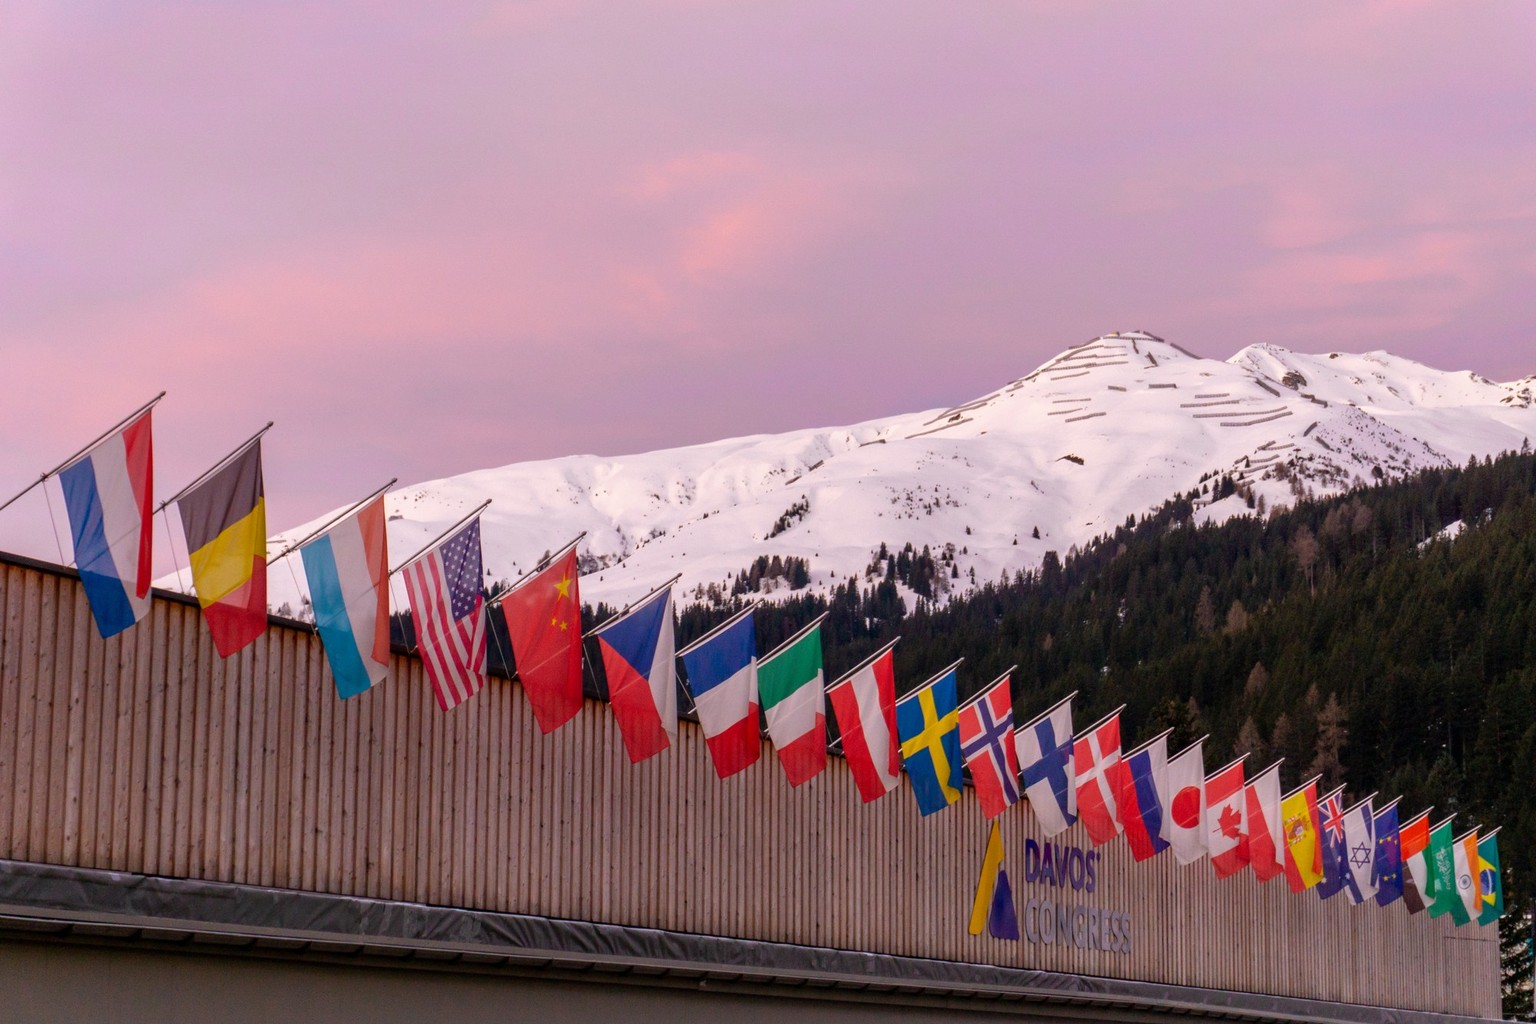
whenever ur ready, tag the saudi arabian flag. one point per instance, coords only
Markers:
(1489, 884)
(1441, 895)
(792, 688)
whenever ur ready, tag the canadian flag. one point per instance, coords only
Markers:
(1262, 824)
(1095, 755)
(1224, 804)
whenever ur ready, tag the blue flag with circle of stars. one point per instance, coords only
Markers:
(1389, 857)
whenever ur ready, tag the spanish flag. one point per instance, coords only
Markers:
(1303, 850)
(225, 521)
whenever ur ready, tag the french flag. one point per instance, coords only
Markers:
(107, 494)
(638, 661)
(722, 676)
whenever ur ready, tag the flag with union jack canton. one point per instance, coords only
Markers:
(1335, 862)
(986, 742)
(448, 609)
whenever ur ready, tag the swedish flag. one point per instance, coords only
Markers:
(930, 741)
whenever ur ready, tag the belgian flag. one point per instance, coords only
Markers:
(225, 521)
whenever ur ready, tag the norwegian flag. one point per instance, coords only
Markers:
(1095, 754)
(986, 742)
(448, 609)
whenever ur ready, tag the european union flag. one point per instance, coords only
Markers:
(1389, 856)
(929, 730)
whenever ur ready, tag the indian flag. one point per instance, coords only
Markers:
(1469, 896)
(792, 689)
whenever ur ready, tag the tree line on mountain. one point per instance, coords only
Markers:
(1343, 634)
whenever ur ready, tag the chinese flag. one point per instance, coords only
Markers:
(544, 621)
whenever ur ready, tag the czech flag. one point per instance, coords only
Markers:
(639, 663)
(107, 494)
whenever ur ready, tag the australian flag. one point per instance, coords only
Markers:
(1335, 862)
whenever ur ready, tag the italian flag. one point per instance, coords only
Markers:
(792, 689)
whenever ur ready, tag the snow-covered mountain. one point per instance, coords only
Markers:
(1105, 430)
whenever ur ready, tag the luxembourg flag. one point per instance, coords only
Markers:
(107, 494)
(638, 661)
(348, 570)
(722, 676)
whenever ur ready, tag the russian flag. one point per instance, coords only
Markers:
(722, 676)
(638, 661)
(348, 569)
(1142, 796)
(107, 494)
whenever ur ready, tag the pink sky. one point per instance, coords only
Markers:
(428, 238)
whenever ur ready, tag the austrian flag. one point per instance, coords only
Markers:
(864, 706)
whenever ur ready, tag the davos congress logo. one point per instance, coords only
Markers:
(1055, 904)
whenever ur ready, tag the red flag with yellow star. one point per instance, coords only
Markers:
(543, 617)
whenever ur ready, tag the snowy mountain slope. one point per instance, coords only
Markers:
(1105, 430)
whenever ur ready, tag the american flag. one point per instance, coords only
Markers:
(449, 612)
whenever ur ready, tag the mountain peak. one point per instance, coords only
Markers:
(1105, 430)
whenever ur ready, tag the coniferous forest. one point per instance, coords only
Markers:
(1346, 635)
(1384, 638)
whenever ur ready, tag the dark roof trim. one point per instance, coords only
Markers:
(105, 904)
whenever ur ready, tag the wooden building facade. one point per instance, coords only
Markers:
(148, 754)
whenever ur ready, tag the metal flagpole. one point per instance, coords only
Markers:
(728, 622)
(226, 460)
(987, 689)
(87, 449)
(440, 536)
(787, 643)
(629, 608)
(334, 520)
(542, 565)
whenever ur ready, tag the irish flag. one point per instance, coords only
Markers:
(792, 688)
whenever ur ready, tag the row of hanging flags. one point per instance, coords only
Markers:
(1156, 801)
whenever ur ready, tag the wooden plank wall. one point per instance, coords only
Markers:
(147, 753)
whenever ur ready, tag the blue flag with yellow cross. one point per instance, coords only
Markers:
(928, 727)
